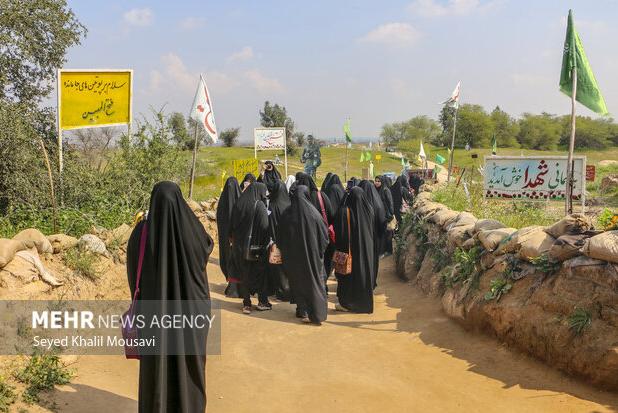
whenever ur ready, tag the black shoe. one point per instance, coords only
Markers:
(264, 306)
(301, 314)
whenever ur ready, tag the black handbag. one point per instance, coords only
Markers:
(253, 252)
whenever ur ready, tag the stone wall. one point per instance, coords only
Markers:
(554, 286)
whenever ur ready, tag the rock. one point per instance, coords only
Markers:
(195, 207)
(32, 237)
(62, 242)
(8, 249)
(602, 247)
(571, 224)
(211, 215)
(609, 182)
(119, 236)
(492, 238)
(97, 230)
(92, 243)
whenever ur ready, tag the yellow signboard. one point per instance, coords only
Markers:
(245, 166)
(94, 98)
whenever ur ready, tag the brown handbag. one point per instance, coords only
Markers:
(274, 255)
(343, 260)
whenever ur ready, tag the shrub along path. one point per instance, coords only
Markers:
(406, 357)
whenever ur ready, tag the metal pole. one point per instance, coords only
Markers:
(569, 183)
(195, 144)
(285, 154)
(450, 161)
(60, 159)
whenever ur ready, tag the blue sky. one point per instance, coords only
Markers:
(373, 61)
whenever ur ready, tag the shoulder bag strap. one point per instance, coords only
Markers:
(323, 210)
(140, 260)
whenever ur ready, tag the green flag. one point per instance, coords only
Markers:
(347, 131)
(367, 156)
(587, 93)
(440, 159)
(494, 145)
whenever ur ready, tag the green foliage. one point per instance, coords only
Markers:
(42, 373)
(418, 128)
(465, 269)
(545, 265)
(180, 134)
(82, 263)
(608, 220)
(497, 288)
(506, 128)
(579, 320)
(515, 213)
(409, 224)
(539, 131)
(34, 37)
(276, 116)
(7, 395)
(229, 136)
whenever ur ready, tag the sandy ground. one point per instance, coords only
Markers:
(406, 357)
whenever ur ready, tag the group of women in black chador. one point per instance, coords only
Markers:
(259, 219)
(280, 238)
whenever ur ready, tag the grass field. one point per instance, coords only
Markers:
(213, 161)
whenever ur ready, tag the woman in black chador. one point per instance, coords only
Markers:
(379, 228)
(229, 196)
(279, 201)
(335, 192)
(250, 228)
(401, 192)
(355, 290)
(270, 175)
(303, 238)
(247, 180)
(174, 268)
(383, 185)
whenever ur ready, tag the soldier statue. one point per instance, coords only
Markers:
(311, 156)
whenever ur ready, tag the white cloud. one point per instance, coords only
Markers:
(192, 23)
(155, 80)
(243, 54)
(437, 8)
(393, 34)
(139, 17)
(178, 73)
(263, 83)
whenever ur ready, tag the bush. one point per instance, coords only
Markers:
(497, 288)
(82, 262)
(42, 373)
(579, 320)
(7, 395)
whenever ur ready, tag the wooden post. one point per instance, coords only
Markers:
(51, 187)
(195, 145)
(450, 161)
(568, 206)
(345, 173)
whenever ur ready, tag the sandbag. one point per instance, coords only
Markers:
(602, 247)
(429, 208)
(462, 219)
(486, 224)
(536, 245)
(195, 207)
(8, 249)
(569, 246)
(491, 238)
(512, 243)
(89, 242)
(32, 237)
(119, 236)
(443, 216)
(458, 235)
(571, 224)
(62, 242)
(469, 244)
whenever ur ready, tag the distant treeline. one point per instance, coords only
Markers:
(476, 127)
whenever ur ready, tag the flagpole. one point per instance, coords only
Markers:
(569, 184)
(193, 162)
(450, 161)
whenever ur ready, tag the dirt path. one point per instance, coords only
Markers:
(406, 357)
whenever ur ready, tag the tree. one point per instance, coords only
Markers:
(299, 139)
(505, 128)
(417, 128)
(194, 127)
(230, 136)
(539, 131)
(180, 134)
(275, 116)
(590, 133)
(34, 38)
(474, 127)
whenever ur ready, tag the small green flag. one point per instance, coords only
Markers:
(367, 156)
(494, 145)
(440, 159)
(347, 131)
(587, 92)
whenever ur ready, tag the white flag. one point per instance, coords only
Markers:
(202, 111)
(454, 99)
(421, 152)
